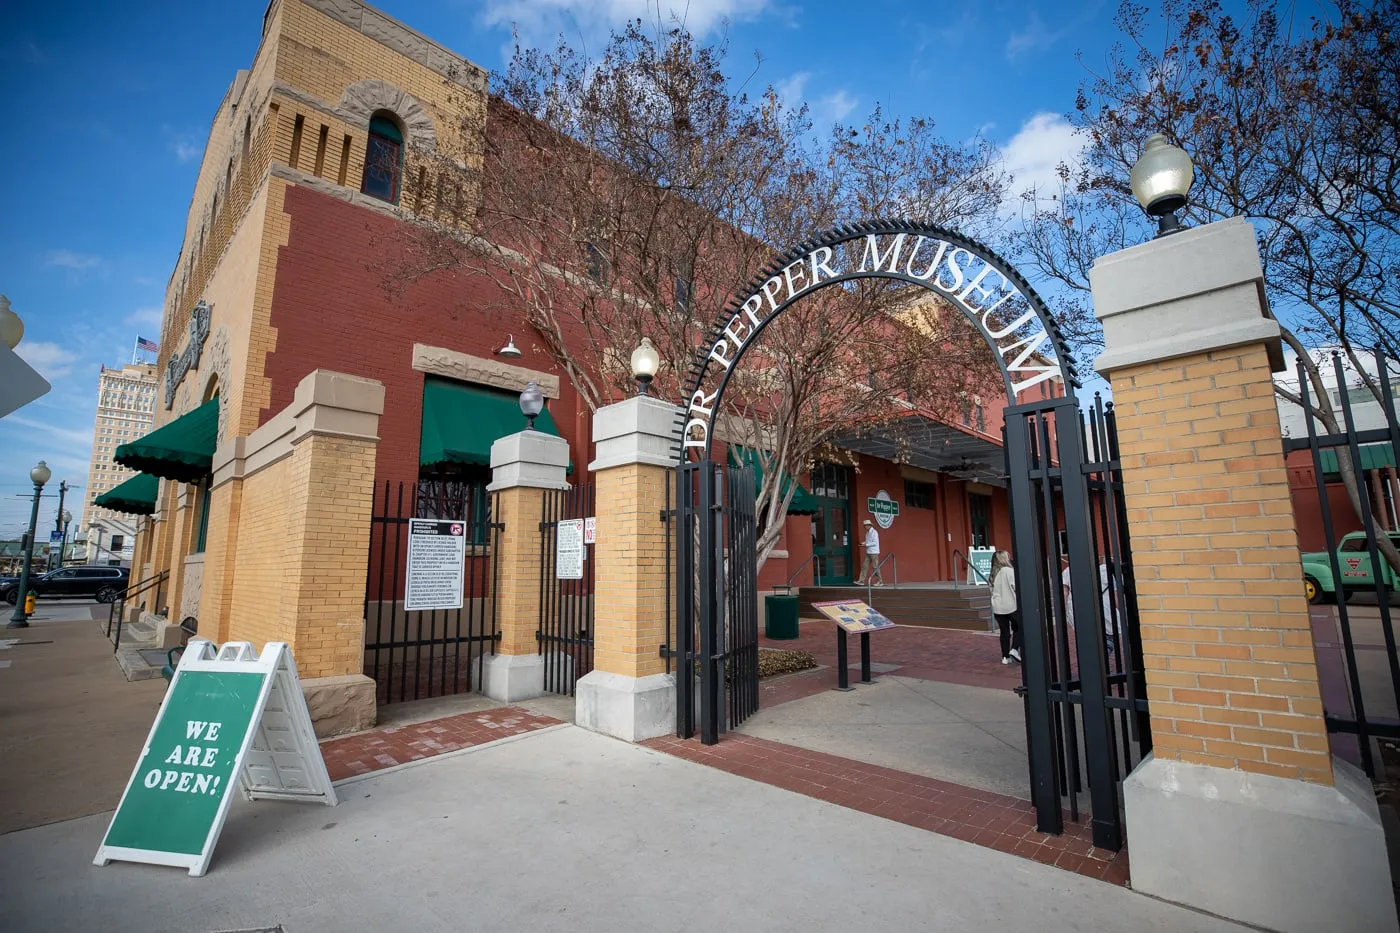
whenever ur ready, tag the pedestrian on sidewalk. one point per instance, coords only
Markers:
(870, 560)
(1005, 608)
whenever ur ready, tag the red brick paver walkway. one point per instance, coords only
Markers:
(385, 748)
(977, 816)
(948, 655)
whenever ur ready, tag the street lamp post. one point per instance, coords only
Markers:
(39, 475)
(63, 545)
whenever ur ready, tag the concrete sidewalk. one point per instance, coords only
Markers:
(71, 727)
(561, 830)
(967, 735)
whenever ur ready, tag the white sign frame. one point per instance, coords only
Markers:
(569, 549)
(415, 602)
(277, 746)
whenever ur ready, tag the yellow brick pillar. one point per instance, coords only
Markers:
(288, 541)
(1240, 810)
(628, 694)
(523, 466)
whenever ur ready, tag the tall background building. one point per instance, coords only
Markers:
(126, 401)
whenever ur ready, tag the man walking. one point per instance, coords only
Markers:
(870, 561)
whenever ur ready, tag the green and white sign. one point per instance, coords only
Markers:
(229, 715)
(883, 508)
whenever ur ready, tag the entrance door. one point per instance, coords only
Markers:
(979, 510)
(831, 525)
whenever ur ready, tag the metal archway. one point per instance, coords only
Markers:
(1063, 474)
(886, 249)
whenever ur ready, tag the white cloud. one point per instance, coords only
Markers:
(51, 360)
(540, 21)
(75, 439)
(185, 150)
(1034, 154)
(67, 259)
(1035, 37)
(150, 316)
(791, 88)
(832, 107)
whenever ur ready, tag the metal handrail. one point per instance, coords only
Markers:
(957, 577)
(117, 607)
(800, 567)
(869, 587)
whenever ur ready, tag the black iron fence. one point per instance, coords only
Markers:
(1353, 579)
(566, 587)
(1085, 692)
(712, 527)
(415, 654)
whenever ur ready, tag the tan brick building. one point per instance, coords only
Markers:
(314, 162)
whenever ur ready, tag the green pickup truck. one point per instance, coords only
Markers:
(1355, 563)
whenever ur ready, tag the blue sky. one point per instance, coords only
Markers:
(117, 100)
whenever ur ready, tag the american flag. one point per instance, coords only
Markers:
(143, 344)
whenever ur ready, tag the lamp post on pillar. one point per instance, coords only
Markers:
(1160, 180)
(531, 404)
(39, 476)
(645, 362)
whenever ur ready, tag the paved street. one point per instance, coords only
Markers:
(562, 830)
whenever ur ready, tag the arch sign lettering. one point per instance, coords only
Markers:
(1011, 317)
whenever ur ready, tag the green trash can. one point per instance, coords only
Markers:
(782, 617)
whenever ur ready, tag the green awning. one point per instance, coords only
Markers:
(803, 502)
(136, 496)
(1373, 457)
(182, 450)
(460, 421)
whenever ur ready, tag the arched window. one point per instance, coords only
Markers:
(383, 159)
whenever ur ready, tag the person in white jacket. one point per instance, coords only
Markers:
(1004, 607)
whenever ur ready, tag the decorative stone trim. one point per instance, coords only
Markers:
(1192, 292)
(363, 98)
(327, 403)
(641, 429)
(439, 361)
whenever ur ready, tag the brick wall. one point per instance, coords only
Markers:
(330, 310)
(1231, 670)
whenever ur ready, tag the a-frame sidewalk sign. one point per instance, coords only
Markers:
(228, 712)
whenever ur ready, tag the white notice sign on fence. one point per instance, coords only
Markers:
(437, 555)
(568, 550)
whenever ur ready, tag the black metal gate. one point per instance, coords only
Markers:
(1085, 693)
(1361, 700)
(566, 603)
(715, 531)
(429, 653)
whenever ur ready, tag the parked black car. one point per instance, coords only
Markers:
(102, 583)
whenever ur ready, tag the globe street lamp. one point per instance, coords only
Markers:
(11, 327)
(39, 476)
(645, 362)
(531, 404)
(1160, 180)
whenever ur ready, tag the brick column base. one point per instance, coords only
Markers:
(523, 466)
(628, 694)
